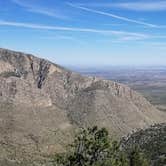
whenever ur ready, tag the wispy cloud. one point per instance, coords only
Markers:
(129, 38)
(57, 37)
(135, 6)
(63, 38)
(39, 10)
(74, 29)
(148, 6)
(114, 16)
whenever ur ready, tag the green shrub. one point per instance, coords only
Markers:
(93, 147)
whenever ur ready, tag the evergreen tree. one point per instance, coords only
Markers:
(93, 147)
(137, 158)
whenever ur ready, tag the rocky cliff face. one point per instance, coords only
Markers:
(42, 104)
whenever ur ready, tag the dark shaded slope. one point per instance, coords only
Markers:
(152, 141)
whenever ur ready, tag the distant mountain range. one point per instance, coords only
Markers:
(42, 105)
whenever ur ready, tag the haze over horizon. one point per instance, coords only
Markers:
(86, 33)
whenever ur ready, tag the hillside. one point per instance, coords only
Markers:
(152, 141)
(42, 105)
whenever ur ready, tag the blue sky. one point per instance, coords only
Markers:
(86, 33)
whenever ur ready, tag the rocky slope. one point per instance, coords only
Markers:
(42, 104)
(152, 141)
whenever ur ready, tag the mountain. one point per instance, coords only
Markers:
(42, 104)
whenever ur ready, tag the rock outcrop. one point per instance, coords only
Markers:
(42, 104)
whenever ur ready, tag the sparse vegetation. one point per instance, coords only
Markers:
(152, 141)
(10, 74)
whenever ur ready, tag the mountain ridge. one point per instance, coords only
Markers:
(40, 98)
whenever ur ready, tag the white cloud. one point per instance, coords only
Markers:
(114, 16)
(39, 10)
(140, 6)
(159, 5)
(74, 29)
